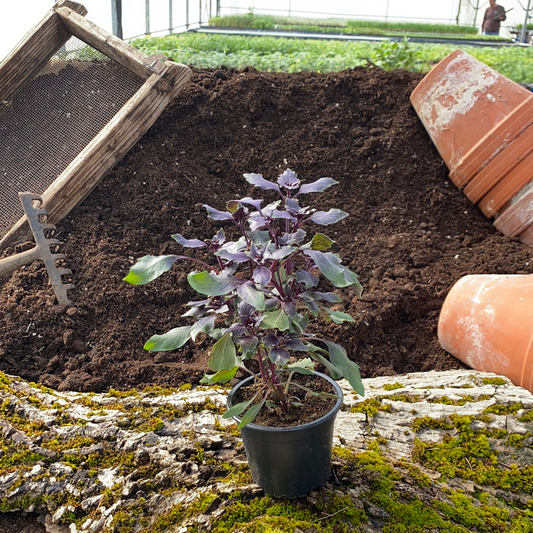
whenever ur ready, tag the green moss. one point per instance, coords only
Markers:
(371, 406)
(483, 517)
(155, 390)
(427, 422)
(527, 417)
(499, 409)
(166, 521)
(123, 394)
(332, 513)
(462, 401)
(494, 381)
(421, 479)
(515, 440)
(407, 398)
(17, 457)
(393, 386)
(471, 456)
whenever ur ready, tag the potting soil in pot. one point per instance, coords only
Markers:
(410, 235)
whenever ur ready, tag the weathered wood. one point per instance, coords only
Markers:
(106, 43)
(36, 48)
(107, 148)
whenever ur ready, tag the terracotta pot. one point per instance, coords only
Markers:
(487, 322)
(517, 215)
(526, 237)
(500, 172)
(471, 112)
(507, 187)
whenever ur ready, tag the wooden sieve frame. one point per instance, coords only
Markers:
(163, 80)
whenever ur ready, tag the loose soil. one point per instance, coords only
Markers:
(410, 235)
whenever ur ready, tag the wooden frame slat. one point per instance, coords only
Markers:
(106, 43)
(36, 48)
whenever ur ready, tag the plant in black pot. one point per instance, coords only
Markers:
(260, 303)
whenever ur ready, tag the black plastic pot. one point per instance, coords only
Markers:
(290, 461)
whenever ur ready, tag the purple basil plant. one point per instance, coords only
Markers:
(261, 292)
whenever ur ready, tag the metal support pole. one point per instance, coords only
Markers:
(170, 16)
(147, 16)
(116, 17)
(523, 33)
(187, 24)
(476, 9)
(218, 8)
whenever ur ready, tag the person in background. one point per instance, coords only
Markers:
(494, 16)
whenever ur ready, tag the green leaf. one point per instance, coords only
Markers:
(222, 376)
(223, 355)
(251, 414)
(275, 320)
(330, 265)
(171, 340)
(252, 296)
(338, 316)
(321, 242)
(149, 268)
(335, 372)
(304, 366)
(212, 285)
(349, 369)
(237, 409)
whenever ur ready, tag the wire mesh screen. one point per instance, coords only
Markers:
(53, 116)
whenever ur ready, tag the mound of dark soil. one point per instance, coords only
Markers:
(410, 236)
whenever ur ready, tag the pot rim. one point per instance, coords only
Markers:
(269, 429)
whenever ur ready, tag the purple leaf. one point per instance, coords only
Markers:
(188, 243)
(236, 257)
(248, 345)
(297, 345)
(278, 356)
(219, 238)
(256, 221)
(270, 340)
(251, 201)
(308, 279)
(317, 186)
(289, 308)
(289, 180)
(262, 276)
(259, 181)
(279, 253)
(215, 214)
(292, 238)
(276, 213)
(325, 218)
(292, 205)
